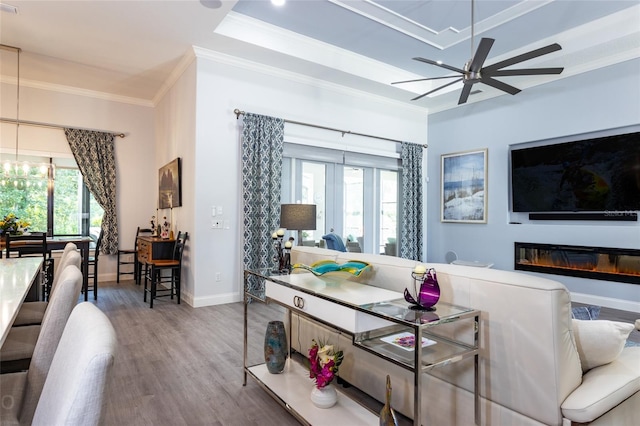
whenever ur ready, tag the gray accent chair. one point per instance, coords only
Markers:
(32, 313)
(73, 392)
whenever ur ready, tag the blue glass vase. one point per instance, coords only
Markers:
(275, 347)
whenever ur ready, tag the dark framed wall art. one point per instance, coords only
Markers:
(170, 187)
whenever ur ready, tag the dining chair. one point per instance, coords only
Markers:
(71, 389)
(130, 257)
(32, 313)
(68, 248)
(169, 284)
(92, 266)
(29, 245)
(25, 344)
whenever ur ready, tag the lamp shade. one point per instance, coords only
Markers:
(298, 216)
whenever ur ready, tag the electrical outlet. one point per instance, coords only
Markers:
(218, 277)
(216, 224)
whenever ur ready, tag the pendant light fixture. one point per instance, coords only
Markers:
(21, 174)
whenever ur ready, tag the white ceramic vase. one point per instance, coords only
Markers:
(325, 397)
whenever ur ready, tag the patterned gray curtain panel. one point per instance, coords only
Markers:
(262, 144)
(411, 233)
(94, 154)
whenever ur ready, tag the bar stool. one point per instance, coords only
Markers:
(33, 244)
(154, 273)
(92, 264)
(130, 257)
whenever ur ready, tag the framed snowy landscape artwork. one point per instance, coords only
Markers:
(464, 187)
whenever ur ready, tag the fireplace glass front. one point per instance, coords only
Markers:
(600, 263)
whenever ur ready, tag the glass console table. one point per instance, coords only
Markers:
(380, 321)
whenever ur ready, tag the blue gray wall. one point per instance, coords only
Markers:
(603, 99)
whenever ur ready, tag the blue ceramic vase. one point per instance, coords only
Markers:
(275, 347)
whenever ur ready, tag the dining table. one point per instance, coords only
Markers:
(58, 243)
(17, 276)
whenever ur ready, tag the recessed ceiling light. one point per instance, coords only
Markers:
(278, 2)
(8, 8)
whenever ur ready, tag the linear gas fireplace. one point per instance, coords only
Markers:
(598, 263)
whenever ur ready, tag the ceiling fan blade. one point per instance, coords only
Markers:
(500, 85)
(466, 90)
(436, 89)
(438, 64)
(481, 54)
(424, 79)
(524, 57)
(523, 71)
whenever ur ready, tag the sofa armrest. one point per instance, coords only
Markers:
(604, 387)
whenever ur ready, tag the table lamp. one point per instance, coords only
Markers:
(300, 217)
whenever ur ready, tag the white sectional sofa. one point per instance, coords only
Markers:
(530, 370)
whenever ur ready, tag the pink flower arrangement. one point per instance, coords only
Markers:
(323, 363)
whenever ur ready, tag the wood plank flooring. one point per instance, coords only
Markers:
(177, 365)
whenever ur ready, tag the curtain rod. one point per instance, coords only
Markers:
(238, 113)
(54, 126)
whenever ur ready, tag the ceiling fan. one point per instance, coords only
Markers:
(474, 72)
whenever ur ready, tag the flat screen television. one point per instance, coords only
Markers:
(592, 175)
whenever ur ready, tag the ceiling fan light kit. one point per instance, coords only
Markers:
(473, 71)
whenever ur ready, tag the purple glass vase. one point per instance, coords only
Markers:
(428, 294)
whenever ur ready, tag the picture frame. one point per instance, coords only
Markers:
(170, 185)
(463, 191)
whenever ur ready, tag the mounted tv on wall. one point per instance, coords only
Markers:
(170, 188)
(591, 175)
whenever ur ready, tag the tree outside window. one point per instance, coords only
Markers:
(59, 206)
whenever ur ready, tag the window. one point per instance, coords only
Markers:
(59, 204)
(388, 212)
(353, 203)
(313, 192)
(356, 195)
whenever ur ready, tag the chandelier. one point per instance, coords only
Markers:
(22, 174)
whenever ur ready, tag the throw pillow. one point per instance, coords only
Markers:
(599, 342)
(585, 312)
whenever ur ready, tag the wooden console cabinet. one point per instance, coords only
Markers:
(154, 248)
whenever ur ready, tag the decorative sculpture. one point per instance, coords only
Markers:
(428, 294)
(321, 267)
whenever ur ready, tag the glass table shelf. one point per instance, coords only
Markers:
(379, 321)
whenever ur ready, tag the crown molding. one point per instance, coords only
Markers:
(273, 38)
(439, 39)
(179, 69)
(76, 91)
(235, 61)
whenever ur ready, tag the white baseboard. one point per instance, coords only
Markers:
(608, 302)
(216, 299)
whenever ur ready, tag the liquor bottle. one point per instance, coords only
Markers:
(387, 415)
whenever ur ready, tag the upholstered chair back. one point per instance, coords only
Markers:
(68, 248)
(54, 321)
(74, 392)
